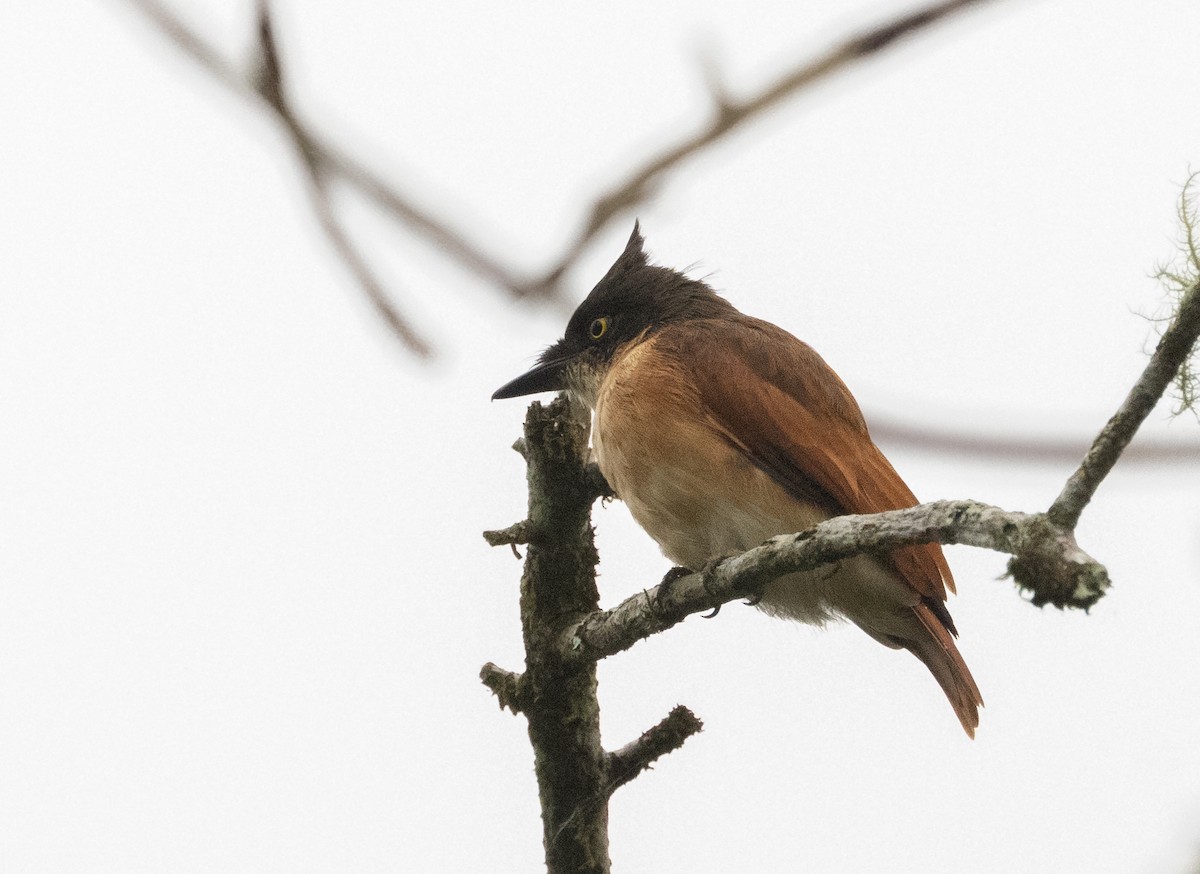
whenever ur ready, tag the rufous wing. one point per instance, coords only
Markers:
(777, 401)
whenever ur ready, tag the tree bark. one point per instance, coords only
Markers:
(558, 589)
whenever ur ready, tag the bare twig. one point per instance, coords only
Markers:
(730, 114)
(333, 164)
(1048, 564)
(357, 264)
(509, 688)
(513, 535)
(669, 735)
(270, 84)
(190, 43)
(325, 164)
(1172, 351)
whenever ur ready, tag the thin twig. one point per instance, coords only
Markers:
(669, 735)
(270, 84)
(730, 114)
(1173, 349)
(325, 164)
(190, 43)
(358, 266)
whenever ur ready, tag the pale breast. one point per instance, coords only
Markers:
(700, 498)
(683, 482)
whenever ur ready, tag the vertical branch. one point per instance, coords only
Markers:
(558, 588)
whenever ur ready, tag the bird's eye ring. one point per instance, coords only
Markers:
(598, 328)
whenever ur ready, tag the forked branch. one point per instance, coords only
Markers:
(326, 164)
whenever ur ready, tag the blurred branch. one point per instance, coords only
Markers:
(269, 83)
(1023, 449)
(191, 44)
(730, 114)
(326, 164)
(558, 696)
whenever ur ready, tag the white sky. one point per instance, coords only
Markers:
(245, 598)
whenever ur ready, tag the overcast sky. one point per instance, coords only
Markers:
(244, 597)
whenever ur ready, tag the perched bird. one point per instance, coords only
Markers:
(720, 431)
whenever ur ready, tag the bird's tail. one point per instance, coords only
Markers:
(937, 650)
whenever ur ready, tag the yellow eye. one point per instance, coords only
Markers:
(598, 328)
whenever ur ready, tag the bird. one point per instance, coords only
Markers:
(719, 431)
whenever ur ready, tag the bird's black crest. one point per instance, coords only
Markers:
(631, 260)
(641, 295)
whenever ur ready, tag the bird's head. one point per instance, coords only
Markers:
(633, 300)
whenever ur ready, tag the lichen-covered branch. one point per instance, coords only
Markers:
(1172, 352)
(669, 735)
(558, 696)
(1178, 278)
(1047, 564)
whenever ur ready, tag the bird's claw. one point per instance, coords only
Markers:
(674, 574)
(669, 577)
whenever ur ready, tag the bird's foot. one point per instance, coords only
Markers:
(705, 576)
(664, 587)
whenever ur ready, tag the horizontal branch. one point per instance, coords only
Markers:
(624, 764)
(1047, 563)
(1021, 449)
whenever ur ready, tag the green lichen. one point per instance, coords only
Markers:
(1180, 277)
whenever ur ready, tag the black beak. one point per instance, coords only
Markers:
(549, 375)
